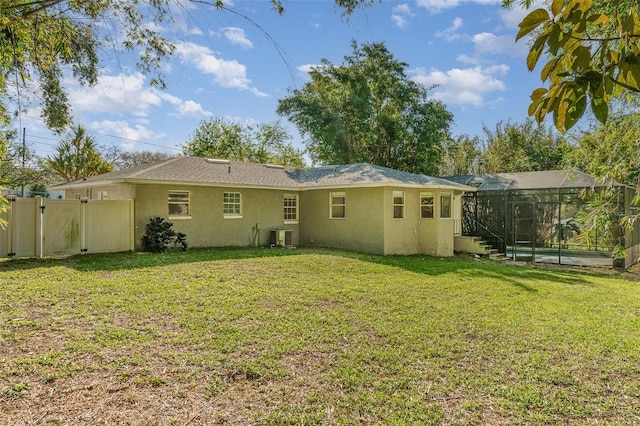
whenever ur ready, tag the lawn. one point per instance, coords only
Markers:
(258, 336)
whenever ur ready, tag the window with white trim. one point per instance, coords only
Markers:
(290, 208)
(427, 203)
(398, 204)
(445, 206)
(232, 204)
(179, 206)
(338, 205)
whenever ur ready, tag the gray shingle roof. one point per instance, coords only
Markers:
(529, 180)
(221, 172)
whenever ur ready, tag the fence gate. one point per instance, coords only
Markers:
(41, 227)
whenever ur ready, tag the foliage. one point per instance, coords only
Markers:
(522, 147)
(43, 40)
(368, 110)
(38, 190)
(292, 337)
(77, 157)
(159, 236)
(266, 143)
(593, 52)
(121, 160)
(610, 151)
(461, 156)
(20, 167)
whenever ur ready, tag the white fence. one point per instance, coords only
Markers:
(40, 227)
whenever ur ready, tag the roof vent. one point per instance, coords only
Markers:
(274, 166)
(217, 161)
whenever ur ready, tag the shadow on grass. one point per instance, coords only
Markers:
(420, 264)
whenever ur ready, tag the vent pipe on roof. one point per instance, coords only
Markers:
(229, 169)
(217, 161)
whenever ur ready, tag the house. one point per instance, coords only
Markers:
(536, 216)
(219, 203)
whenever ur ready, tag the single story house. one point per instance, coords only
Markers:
(218, 203)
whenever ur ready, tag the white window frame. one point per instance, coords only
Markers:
(423, 196)
(450, 197)
(177, 202)
(290, 213)
(332, 204)
(395, 195)
(236, 212)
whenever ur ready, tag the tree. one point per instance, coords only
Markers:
(77, 157)
(20, 167)
(610, 151)
(121, 160)
(461, 156)
(263, 143)
(593, 52)
(523, 147)
(367, 110)
(41, 40)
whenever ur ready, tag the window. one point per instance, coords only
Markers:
(427, 202)
(338, 205)
(179, 204)
(232, 205)
(398, 204)
(290, 208)
(445, 206)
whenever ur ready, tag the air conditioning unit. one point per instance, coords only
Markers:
(281, 238)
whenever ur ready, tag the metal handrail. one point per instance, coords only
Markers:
(493, 234)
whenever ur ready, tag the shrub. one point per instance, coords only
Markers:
(159, 236)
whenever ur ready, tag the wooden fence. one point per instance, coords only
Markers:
(40, 227)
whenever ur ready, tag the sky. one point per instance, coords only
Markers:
(237, 65)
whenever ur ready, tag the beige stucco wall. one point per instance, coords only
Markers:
(369, 225)
(123, 191)
(207, 226)
(362, 229)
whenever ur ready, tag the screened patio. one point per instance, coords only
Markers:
(540, 217)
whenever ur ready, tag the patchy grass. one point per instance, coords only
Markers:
(257, 336)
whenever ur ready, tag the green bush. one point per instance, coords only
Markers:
(159, 236)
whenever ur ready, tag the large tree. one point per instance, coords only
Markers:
(522, 147)
(77, 156)
(368, 110)
(261, 143)
(611, 151)
(592, 54)
(462, 156)
(41, 40)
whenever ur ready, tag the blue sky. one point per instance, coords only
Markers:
(227, 66)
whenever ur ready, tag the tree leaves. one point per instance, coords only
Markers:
(594, 55)
(367, 110)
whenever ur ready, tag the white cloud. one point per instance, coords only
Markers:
(501, 45)
(119, 94)
(123, 130)
(464, 87)
(228, 74)
(400, 14)
(238, 37)
(192, 109)
(451, 33)
(435, 6)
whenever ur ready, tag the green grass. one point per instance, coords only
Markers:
(257, 336)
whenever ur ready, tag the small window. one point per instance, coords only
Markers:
(232, 205)
(290, 208)
(179, 204)
(398, 204)
(445, 206)
(427, 202)
(338, 205)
